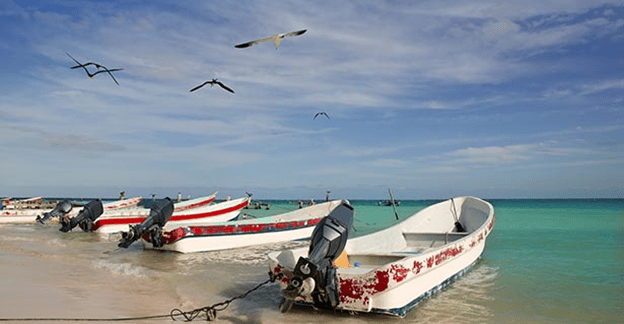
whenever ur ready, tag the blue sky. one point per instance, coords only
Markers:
(433, 99)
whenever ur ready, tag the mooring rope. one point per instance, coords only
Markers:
(210, 311)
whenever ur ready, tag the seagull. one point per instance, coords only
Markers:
(101, 68)
(321, 113)
(213, 82)
(277, 39)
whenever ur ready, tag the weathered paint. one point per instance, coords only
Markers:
(210, 230)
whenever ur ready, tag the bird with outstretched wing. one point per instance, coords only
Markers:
(322, 113)
(212, 83)
(277, 39)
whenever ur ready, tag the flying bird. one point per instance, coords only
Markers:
(101, 68)
(212, 83)
(321, 113)
(277, 39)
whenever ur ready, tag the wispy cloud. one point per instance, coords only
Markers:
(589, 89)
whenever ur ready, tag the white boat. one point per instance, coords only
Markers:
(194, 203)
(392, 270)
(33, 202)
(290, 226)
(29, 215)
(119, 222)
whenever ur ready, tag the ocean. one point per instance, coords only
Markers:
(547, 261)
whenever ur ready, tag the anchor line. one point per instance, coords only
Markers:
(210, 311)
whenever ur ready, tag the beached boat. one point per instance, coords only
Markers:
(392, 270)
(118, 222)
(290, 226)
(29, 215)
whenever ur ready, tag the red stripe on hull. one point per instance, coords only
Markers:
(136, 220)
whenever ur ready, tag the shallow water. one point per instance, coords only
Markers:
(547, 261)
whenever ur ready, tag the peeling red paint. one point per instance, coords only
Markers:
(245, 228)
(491, 223)
(380, 282)
(430, 262)
(417, 267)
(447, 254)
(400, 272)
(350, 288)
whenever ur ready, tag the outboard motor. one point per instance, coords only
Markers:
(59, 211)
(152, 226)
(316, 274)
(89, 213)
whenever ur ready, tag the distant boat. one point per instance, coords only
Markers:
(29, 214)
(388, 202)
(258, 205)
(293, 225)
(392, 270)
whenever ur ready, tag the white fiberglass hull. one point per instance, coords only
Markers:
(290, 226)
(25, 216)
(208, 213)
(392, 270)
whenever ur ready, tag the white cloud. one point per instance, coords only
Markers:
(492, 154)
(589, 89)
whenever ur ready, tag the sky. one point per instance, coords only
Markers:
(432, 99)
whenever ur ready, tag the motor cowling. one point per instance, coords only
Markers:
(89, 213)
(315, 275)
(152, 226)
(59, 211)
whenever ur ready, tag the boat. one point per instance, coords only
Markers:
(388, 202)
(259, 205)
(194, 203)
(289, 226)
(392, 270)
(33, 202)
(29, 215)
(222, 211)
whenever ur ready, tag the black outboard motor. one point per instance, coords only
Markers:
(59, 211)
(159, 215)
(89, 213)
(316, 274)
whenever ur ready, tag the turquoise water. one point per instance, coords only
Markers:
(547, 261)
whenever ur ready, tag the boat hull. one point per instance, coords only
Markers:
(392, 270)
(290, 226)
(223, 211)
(24, 216)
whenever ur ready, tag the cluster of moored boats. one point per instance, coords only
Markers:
(389, 271)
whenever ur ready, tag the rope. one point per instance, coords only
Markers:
(81, 319)
(210, 311)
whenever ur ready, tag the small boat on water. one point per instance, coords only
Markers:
(392, 270)
(222, 211)
(29, 215)
(388, 202)
(290, 226)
